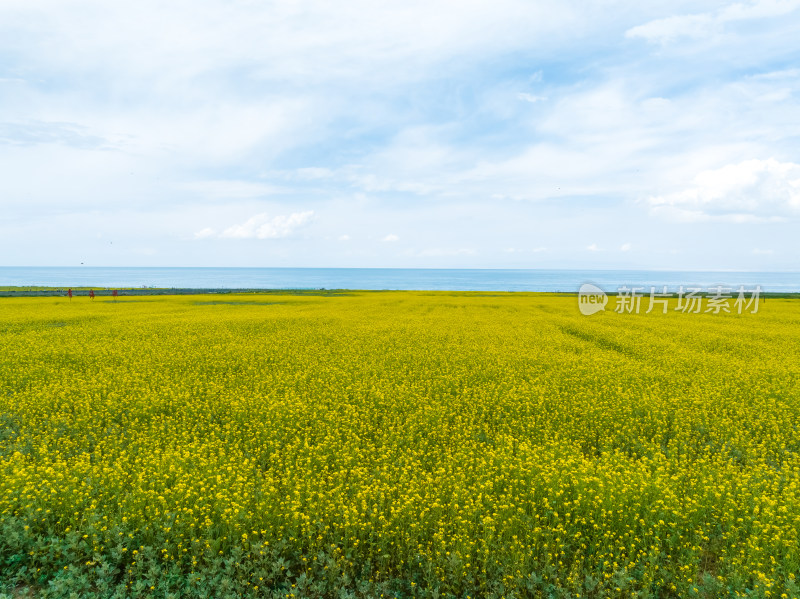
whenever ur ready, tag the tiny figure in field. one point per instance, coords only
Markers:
(114, 294)
(91, 294)
(69, 293)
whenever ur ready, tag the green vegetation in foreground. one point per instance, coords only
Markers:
(396, 444)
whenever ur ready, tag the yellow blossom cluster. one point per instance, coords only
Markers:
(455, 443)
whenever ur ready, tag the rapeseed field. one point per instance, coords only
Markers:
(396, 444)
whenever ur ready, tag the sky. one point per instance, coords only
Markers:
(430, 134)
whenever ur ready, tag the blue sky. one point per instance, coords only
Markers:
(511, 133)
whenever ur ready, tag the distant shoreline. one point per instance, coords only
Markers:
(136, 291)
(83, 292)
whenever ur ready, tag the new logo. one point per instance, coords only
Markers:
(591, 299)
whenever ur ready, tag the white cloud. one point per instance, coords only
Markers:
(261, 226)
(442, 252)
(344, 238)
(313, 173)
(205, 233)
(782, 74)
(531, 98)
(391, 238)
(746, 192)
(185, 114)
(705, 25)
(758, 9)
(625, 247)
(37, 132)
(593, 247)
(313, 40)
(760, 252)
(671, 28)
(228, 189)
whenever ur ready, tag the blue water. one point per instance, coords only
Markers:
(387, 278)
